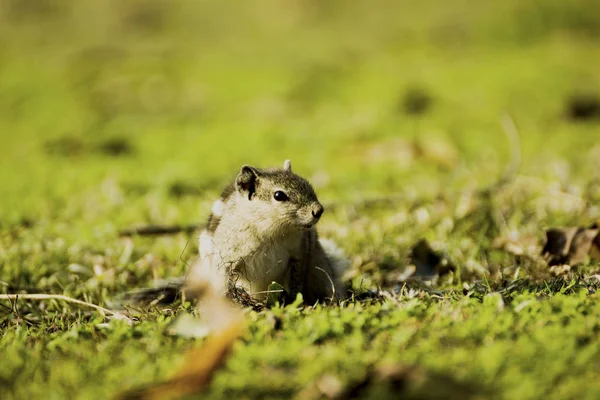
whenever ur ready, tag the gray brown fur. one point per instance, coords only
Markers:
(252, 239)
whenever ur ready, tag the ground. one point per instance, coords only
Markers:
(405, 116)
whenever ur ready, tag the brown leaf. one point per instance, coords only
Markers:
(428, 262)
(197, 371)
(218, 317)
(571, 245)
(581, 245)
(558, 242)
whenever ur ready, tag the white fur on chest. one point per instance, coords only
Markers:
(267, 264)
(257, 261)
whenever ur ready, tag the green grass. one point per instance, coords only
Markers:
(133, 113)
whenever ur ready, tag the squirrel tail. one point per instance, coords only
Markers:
(339, 264)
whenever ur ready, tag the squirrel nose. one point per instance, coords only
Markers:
(317, 210)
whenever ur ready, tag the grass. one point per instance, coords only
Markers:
(123, 114)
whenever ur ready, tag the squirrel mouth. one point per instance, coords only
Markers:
(306, 226)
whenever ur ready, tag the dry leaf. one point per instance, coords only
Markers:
(197, 371)
(223, 321)
(514, 242)
(572, 245)
(427, 262)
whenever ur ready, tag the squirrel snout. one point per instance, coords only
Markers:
(317, 210)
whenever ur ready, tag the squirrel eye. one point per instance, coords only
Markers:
(280, 196)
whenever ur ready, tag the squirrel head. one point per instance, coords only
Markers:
(277, 199)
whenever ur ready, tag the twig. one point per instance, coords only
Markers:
(38, 296)
(155, 230)
(270, 291)
(510, 131)
(330, 281)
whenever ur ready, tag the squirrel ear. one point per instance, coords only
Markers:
(246, 180)
(287, 166)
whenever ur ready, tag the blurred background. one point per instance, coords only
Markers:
(111, 110)
(116, 114)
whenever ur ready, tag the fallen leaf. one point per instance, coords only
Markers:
(198, 369)
(581, 245)
(223, 322)
(514, 242)
(427, 262)
(571, 245)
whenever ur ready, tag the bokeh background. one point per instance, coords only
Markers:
(168, 98)
(116, 114)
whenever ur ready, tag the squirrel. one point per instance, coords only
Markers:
(262, 230)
